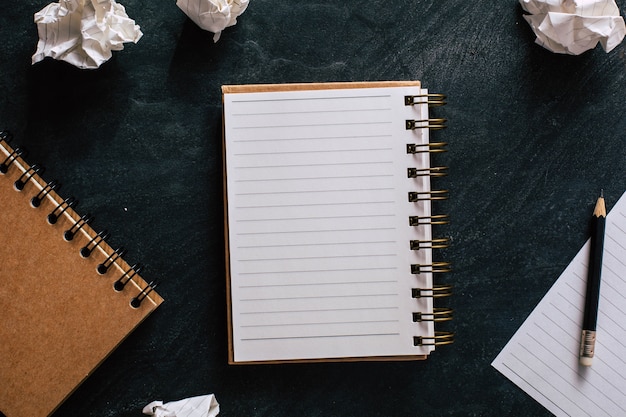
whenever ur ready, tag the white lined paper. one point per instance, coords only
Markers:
(318, 223)
(542, 356)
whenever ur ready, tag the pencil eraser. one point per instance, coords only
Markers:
(586, 361)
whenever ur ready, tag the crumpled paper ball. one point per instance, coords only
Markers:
(575, 26)
(213, 15)
(83, 32)
(200, 406)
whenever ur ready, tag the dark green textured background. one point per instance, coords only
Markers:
(533, 137)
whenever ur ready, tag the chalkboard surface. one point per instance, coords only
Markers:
(533, 136)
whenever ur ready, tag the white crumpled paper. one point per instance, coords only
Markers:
(83, 32)
(575, 26)
(213, 15)
(202, 406)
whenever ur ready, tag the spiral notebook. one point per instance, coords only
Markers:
(67, 298)
(329, 220)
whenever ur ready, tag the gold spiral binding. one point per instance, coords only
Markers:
(427, 172)
(432, 124)
(432, 99)
(435, 268)
(438, 314)
(437, 291)
(431, 147)
(440, 243)
(415, 196)
(437, 219)
(439, 339)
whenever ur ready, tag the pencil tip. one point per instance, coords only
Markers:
(600, 208)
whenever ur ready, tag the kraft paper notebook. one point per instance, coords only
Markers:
(67, 299)
(329, 222)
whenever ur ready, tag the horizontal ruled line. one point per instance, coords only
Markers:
(364, 216)
(317, 284)
(320, 297)
(255, 127)
(312, 138)
(347, 203)
(321, 336)
(328, 164)
(373, 242)
(317, 178)
(323, 323)
(304, 258)
(311, 98)
(316, 231)
(316, 271)
(351, 110)
(307, 152)
(320, 310)
(345, 190)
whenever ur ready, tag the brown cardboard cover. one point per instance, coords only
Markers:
(60, 318)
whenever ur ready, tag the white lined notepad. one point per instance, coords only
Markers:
(317, 216)
(542, 356)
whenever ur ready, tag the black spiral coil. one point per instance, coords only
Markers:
(48, 191)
